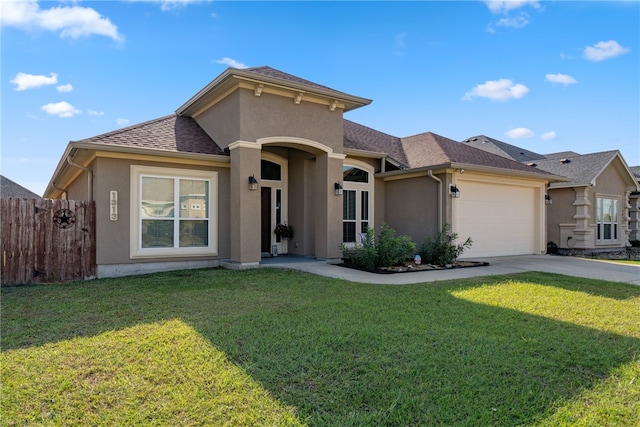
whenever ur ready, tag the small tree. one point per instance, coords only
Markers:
(441, 250)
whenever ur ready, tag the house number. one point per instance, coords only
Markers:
(113, 205)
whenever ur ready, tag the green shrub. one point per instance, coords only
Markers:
(441, 250)
(635, 243)
(384, 250)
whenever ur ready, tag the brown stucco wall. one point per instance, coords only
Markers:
(411, 207)
(301, 203)
(113, 237)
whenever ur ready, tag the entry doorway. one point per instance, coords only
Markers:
(273, 203)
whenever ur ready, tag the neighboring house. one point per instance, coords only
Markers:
(634, 208)
(258, 147)
(11, 189)
(592, 211)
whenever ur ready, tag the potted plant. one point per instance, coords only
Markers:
(284, 230)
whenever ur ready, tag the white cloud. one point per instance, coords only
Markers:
(548, 136)
(560, 78)
(519, 133)
(60, 109)
(122, 122)
(24, 81)
(516, 22)
(497, 90)
(604, 50)
(169, 5)
(65, 88)
(95, 113)
(231, 62)
(69, 21)
(505, 6)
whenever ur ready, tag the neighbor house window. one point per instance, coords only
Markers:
(607, 219)
(173, 212)
(356, 202)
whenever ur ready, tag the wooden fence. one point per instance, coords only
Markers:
(47, 240)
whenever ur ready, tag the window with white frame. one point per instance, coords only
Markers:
(173, 212)
(356, 203)
(607, 219)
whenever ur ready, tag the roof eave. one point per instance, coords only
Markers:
(74, 146)
(351, 102)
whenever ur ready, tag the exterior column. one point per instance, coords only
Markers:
(582, 232)
(245, 204)
(328, 206)
(634, 216)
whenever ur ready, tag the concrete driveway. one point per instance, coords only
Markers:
(592, 269)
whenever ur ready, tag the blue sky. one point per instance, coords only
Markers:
(547, 76)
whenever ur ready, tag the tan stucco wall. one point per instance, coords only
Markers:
(78, 189)
(561, 211)
(301, 202)
(411, 207)
(222, 122)
(113, 237)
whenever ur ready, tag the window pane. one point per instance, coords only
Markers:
(157, 233)
(157, 197)
(194, 233)
(599, 210)
(349, 205)
(194, 201)
(607, 231)
(364, 208)
(348, 231)
(607, 209)
(352, 174)
(614, 211)
(270, 170)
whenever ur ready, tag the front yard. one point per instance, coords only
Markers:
(273, 347)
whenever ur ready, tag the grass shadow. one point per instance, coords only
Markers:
(353, 354)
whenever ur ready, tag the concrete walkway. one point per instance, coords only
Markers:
(592, 269)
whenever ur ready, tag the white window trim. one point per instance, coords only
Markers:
(136, 250)
(602, 240)
(359, 187)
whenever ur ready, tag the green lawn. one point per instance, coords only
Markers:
(275, 347)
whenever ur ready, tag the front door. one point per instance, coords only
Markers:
(265, 215)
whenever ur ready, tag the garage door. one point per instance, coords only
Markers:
(500, 219)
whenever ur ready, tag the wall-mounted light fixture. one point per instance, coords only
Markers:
(253, 183)
(454, 191)
(338, 188)
(547, 199)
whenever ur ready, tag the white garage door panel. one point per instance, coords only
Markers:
(498, 218)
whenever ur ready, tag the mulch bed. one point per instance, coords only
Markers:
(411, 267)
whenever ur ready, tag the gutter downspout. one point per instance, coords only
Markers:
(62, 190)
(439, 181)
(89, 176)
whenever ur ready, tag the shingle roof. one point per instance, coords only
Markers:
(277, 74)
(170, 133)
(359, 137)
(561, 155)
(635, 170)
(502, 149)
(429, 149)
(582, 169)
(9, 188)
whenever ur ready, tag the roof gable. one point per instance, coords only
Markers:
(583, 169)
(268, 80)
(11, 189)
